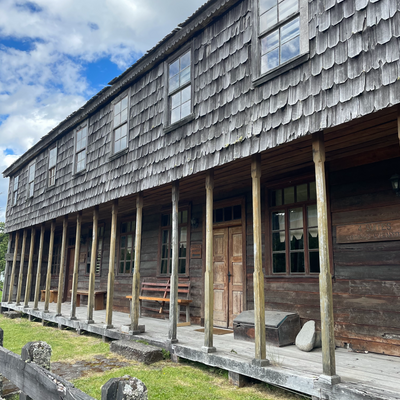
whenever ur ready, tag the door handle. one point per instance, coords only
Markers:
(229, 277)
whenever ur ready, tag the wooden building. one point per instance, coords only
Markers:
(252, 152)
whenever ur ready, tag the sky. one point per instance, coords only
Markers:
(57, 54)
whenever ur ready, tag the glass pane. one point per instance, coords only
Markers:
(184, 217)
(129, 241)
(312, 215)
(278, 241)
(276, 197)
(266, 5)
(121, 267)
(164, 265)
(296, 240)
(290, 49)
(313, 238)
(128, 255)
(278, 221)
(287, 7)
(296, 218)
(279, 263)
(182, 266)
(228, 214)
(175, 115)
(183, 234)
(88, 268)
(268, 19)
(237, 212)
(314, 262)
(176, 100)
(124, 115)
(165, 239)
(219, 215)
(182, 250)
(301, 192)
(288, 194)
(297, 262)
(164, 251)
(124, 103)
(117, 108)
(173, 83)
(166, 220)
(313, 191)
(185, 76)
(174, 68)
(185, 110)
(186, 94)
(124, 228)
(185, 60)
(270, 42)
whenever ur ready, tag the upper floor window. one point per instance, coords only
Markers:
(180, 87)
(127, 247)
(52, 166)
(15, 190)
(80, 148)
(31, 179)
(120, 123)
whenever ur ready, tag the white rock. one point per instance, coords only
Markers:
(305, 340)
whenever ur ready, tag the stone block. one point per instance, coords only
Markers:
(137, 351)
(236, 379)
(12, 314)
(125, 388)
(37, 352)
(305, 340)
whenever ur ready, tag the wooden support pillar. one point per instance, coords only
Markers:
(14, 264)
(39, 268)
(21, 268)
(325, 278)
(7, 271)
(136, 272)
(49, 262)
(110, 285)
(76, 265)
(30, 267)
(209, 274)
(258, 275)
(173, 305)
(93, 257)
(62, 265)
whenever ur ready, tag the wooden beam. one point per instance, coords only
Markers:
(110, 285)
(7, 271)
(325, 279)
(93, 257)
(21, 268)
(30, 266)
(39, 268)
(136, 271)
(173, 304)
(76, 265)
(14, 264)
(258, 275)
(49, 262)
(398, 122)
(62, 265)
(209, 274)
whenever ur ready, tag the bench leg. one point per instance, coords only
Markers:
(187, 313)
(140, 308)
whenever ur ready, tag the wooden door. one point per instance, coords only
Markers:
(228, 275)
(70, 274)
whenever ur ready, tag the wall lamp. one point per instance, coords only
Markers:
(395, 180)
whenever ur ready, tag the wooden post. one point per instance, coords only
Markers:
(136, 271)
(6, 272)
(39, 268)
(30, 266)
(62, 265)
(325, 278)
(21, 268)
(173, 304)
(93, 257)
(258, 275)
(209, 274)
(12, 278)
(76, 265)
(110, 285)
(49, 262)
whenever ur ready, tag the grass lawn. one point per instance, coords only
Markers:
(164, 380)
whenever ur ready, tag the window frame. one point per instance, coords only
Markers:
(168, 126)
(50, 168)
(114, 154)
(14, 198)
(120, 234)
(260, 78)
(31, 182)
(56, 256)
(80, 127)
(89, 248)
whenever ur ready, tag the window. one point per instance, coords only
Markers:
(282, 33)
(127, 247)
(120, 126)
(31, 179)
(80, 149)
(294, 230)
(166, 236)
(15, 190)
(52, 166)
(180, 88)
(56, 260)
(100, 236)
(226, 214)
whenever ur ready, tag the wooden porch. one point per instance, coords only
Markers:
(363, 375)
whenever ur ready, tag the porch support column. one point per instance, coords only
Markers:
(258, 275)
(14, 264)
(30, 266)
(110, 285)
(49, 262)
(93, 256)
(76, 265)
(136, 272)
(173, 305)
(209, 274)
(325, 279)
(39, 268)
(62, 265)
(21, 269)
(7, 271)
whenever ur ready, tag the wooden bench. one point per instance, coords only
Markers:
(53, 295)
(98, 298)
(164, 288)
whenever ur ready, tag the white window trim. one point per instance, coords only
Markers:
(50, 168)
(28, 195)
(76, 130)
(114, 154)
(259, 78)
(14, 198)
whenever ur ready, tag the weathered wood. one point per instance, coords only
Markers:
(325, 279)
(93, 258)
(110, 284)
(39, 268)
(76, 265)
(11, 285)
(62, 264)
(209, 274)
(258, 276)
(173, 305)
(30, 266)
(6, 272)
(136, 272)
(49, 262)
(21, 268)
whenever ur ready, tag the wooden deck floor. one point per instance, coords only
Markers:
(364, 376)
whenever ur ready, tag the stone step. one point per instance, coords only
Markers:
(138, 351)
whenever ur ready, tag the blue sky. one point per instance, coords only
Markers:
(56, 54)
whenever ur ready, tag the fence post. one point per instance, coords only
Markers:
(125, 388)
(1, 378)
